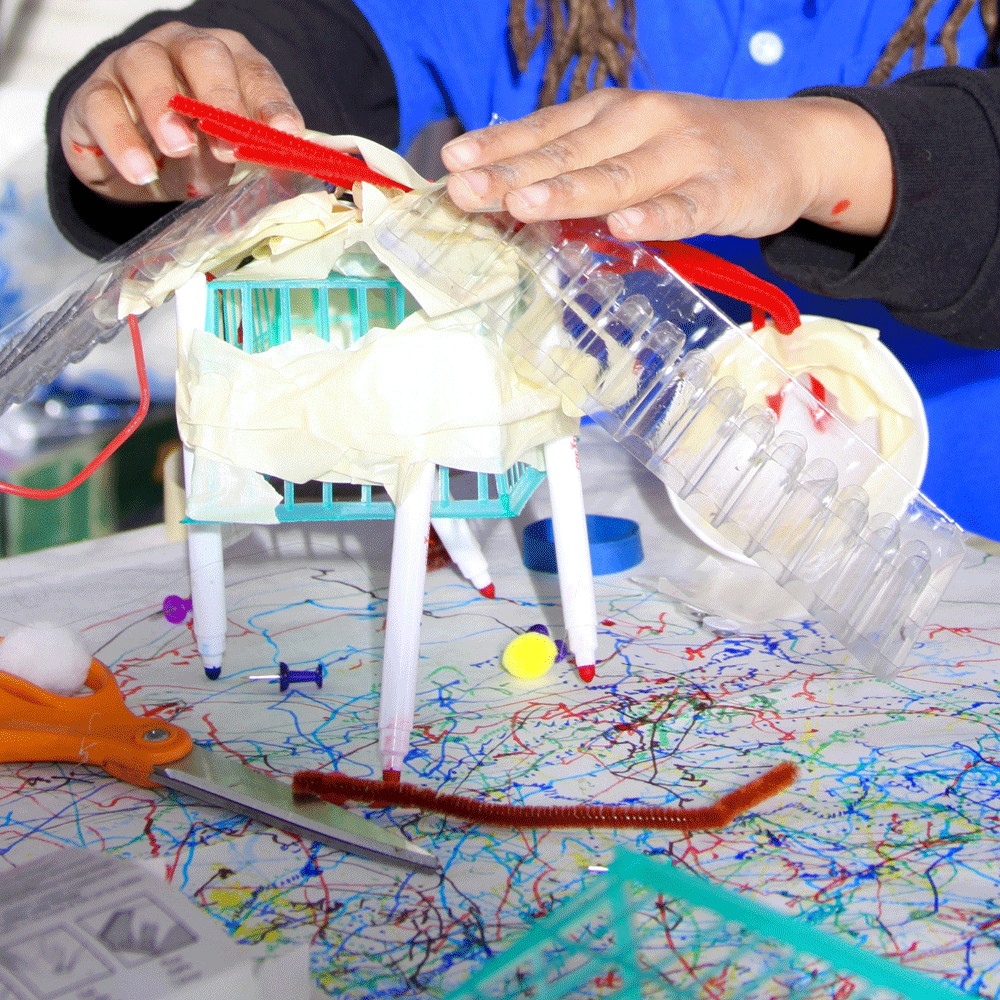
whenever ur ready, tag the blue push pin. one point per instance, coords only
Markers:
(286, 677)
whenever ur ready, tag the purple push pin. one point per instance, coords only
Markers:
(560, 645)
(285, 676)
(175, 609)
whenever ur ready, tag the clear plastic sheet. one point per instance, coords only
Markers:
(628, 341)
(35, 348)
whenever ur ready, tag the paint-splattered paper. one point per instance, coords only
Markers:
(889, 837)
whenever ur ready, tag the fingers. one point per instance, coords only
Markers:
(222, 69)
(618, 156)
(103, 145)
(498, 142)
(658, 165)
(265, 96)
(120, 136)
(622, 179)
(490, 162)
(687, 210)
(154, 68)
(582, 158)
(545, 180)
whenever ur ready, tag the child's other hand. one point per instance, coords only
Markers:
(120, 138)
(672, 166)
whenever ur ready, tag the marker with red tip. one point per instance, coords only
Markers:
(570, 538)
(459, 541)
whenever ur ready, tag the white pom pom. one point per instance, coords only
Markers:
(48, 655)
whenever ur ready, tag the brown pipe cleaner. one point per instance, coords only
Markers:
(338, 788)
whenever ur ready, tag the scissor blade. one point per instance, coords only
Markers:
(224, 782)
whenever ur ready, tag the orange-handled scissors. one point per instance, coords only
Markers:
(98, 729)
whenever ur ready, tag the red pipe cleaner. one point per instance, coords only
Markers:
(717, 275)
(701, 268)
(338, 788)
(254, 142)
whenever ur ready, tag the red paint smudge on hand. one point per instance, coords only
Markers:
(841, 206)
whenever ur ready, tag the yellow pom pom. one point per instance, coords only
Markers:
(529, 655)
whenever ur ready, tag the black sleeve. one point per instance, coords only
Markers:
(937, 266)
(324, 50)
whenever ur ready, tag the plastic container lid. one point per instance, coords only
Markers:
(615, 545)
(884, 376)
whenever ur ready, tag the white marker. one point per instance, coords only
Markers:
(205, 566)
(569, 532)
(208, 588)
(461, 545)
(407, 573)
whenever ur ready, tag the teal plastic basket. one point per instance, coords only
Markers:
(645, 929)
(258, 315)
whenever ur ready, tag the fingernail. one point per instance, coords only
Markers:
(141, 169)
(628, 218)
(477, 181)
(223, 150)
(461, 151)
(285, 123)
(174, 136)
(532, 196)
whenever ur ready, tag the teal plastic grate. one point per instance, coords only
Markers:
(258, 315)
(645, 929)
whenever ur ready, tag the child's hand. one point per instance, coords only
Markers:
(122, 141)
(672, 166)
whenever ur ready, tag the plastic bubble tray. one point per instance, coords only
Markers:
(647, 929)
(37, 346)
(626, 340)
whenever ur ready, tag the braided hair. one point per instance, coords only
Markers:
(912, 35)
(600, 34)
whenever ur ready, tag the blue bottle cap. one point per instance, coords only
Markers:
(615, 545)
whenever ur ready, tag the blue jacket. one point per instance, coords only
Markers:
(453, 58)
